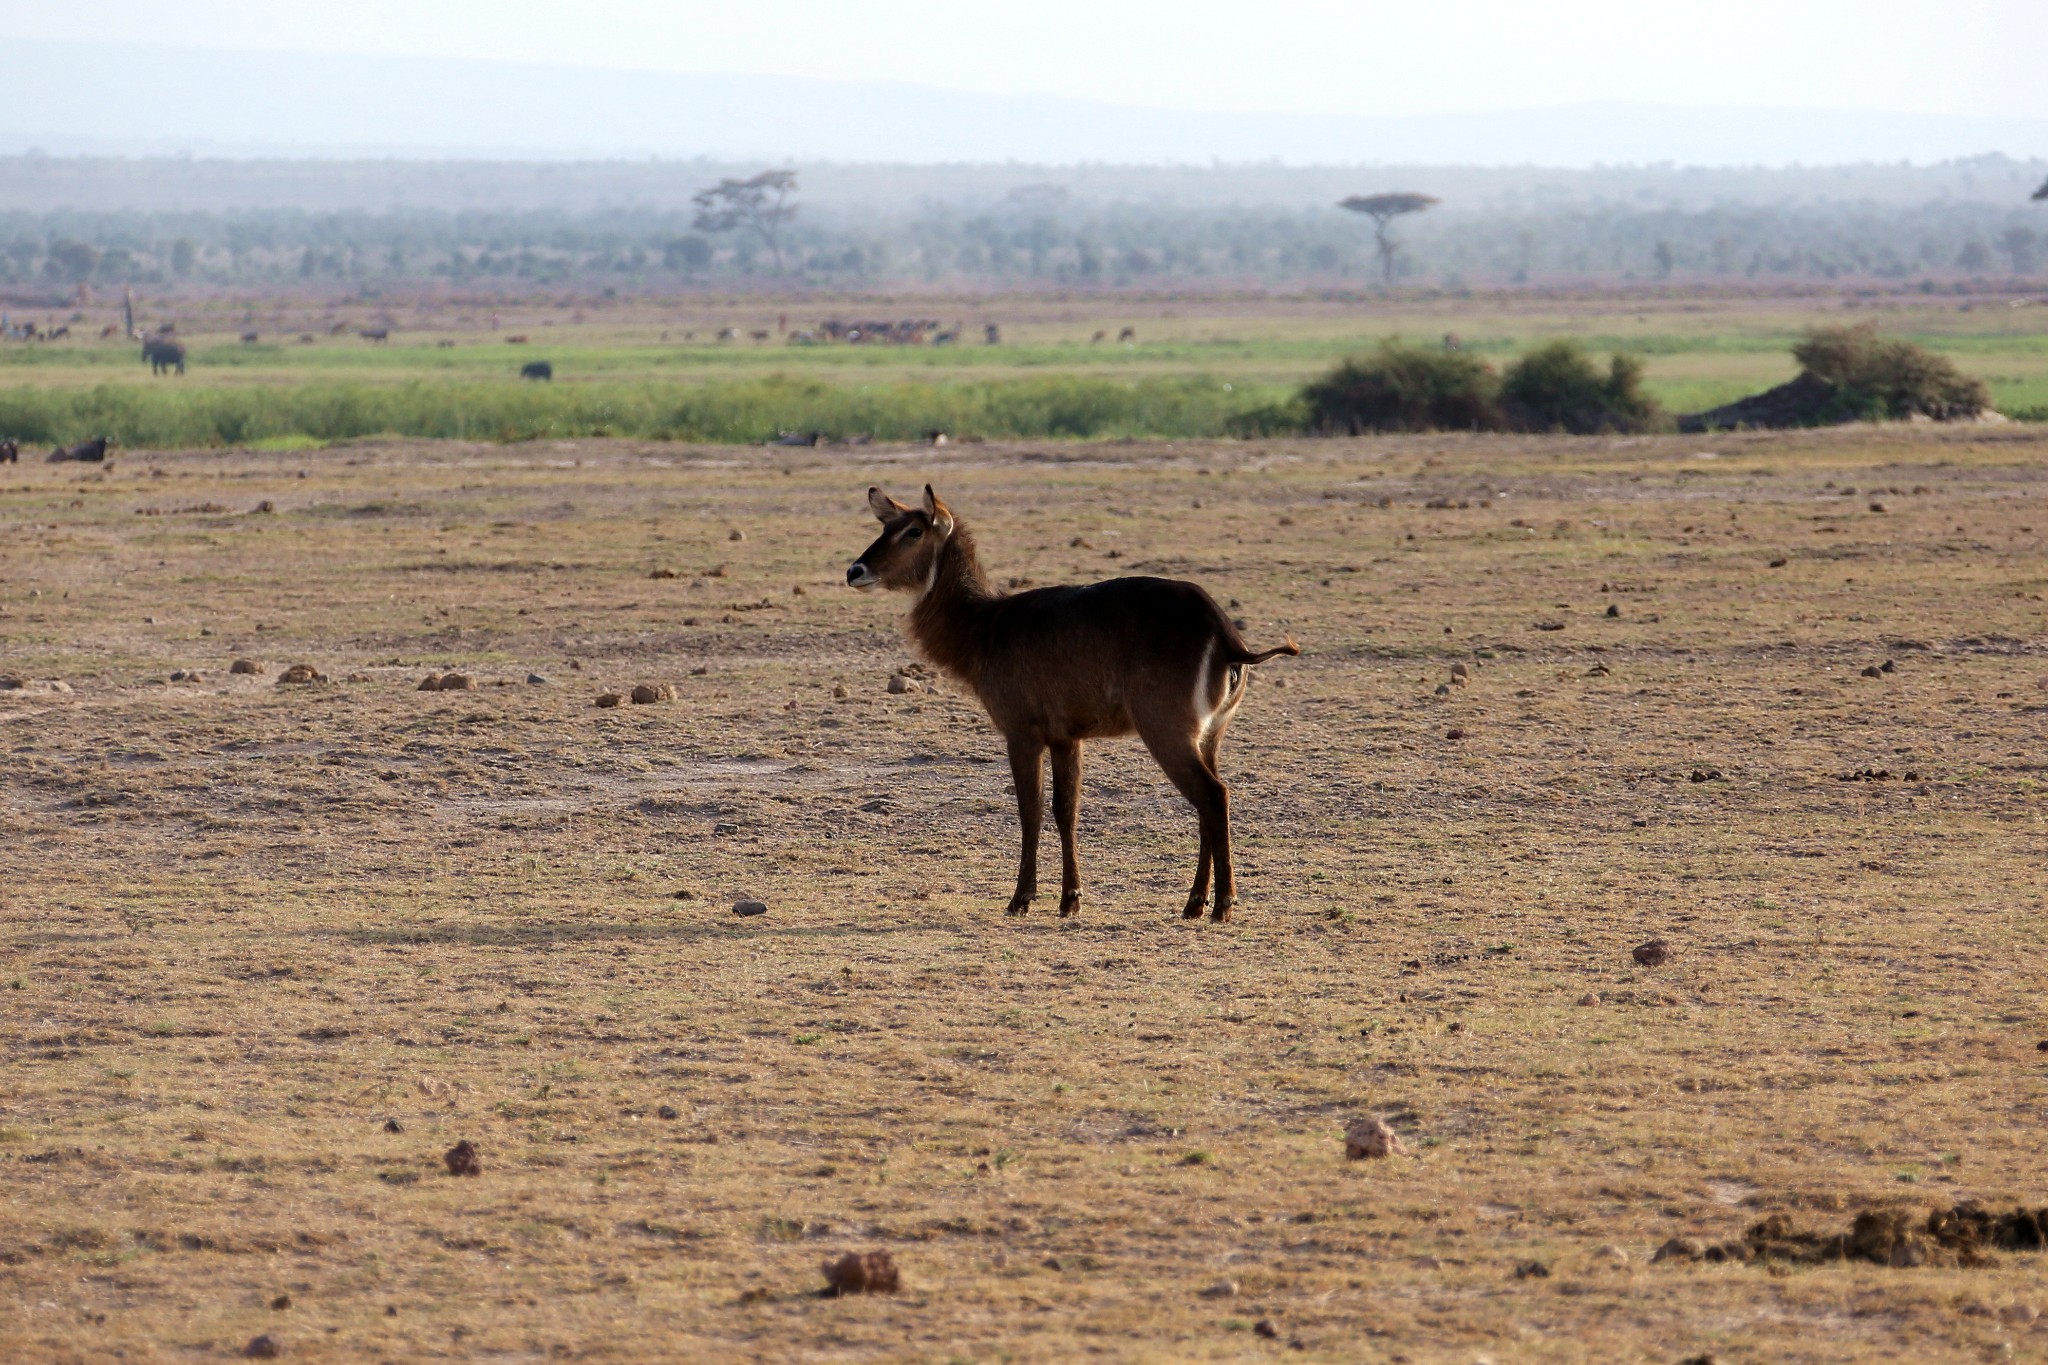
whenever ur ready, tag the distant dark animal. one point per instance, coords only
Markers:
(1128, 334)
(796, 438)
(249, 338)
(91, 452)
(109, 330)
(991, 334)
(728, 334)
(58, 332)
(375, 334)
(1098, 338)
(946, 338)
(537, 369)
(758, 337)
(10, 451)
(519, 340)
(337, 329)
(1453, 342)
(163, 354)
(445, 344)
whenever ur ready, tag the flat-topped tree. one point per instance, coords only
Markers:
(759, 204)
(1384, 209)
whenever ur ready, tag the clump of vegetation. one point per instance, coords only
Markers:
(1872, 377)
(1400, 387)
(1557, 387)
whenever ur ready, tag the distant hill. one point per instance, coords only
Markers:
(72, 97)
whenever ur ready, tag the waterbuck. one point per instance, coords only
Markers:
(1056, 666)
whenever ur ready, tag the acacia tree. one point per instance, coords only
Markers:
(1384, 209)
(758, 204)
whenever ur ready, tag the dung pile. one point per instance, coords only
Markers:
(1964, 1235)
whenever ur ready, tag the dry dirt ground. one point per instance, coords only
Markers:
(248, 924)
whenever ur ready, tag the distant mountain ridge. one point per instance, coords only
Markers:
(124, 99)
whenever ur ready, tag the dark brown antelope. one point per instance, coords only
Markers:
(1056, 666)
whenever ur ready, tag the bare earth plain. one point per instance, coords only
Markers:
(248, 924)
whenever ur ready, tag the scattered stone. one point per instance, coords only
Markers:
(1888, 666)
(1780, 563)
(1873, 672)
(1877, 507)
(1267, 1328)
(462, 1159)
(1590, 998)
(2019, 1314)
(245, 666)
(1460, 675)
(735, 534)
(900, 683)
(667, 1112)
(456, 682)
(1655, 953)
(264, 1347)
(1443, 690)
(685, 894)
(749, 907)
(536, 680)
(1454, 733)
(647, 694)
(300, 674)
(393, 1126)
(266, 506)
(1222, 1289)
(1531, 1270)
(1614, 609)
(1679, 1249)
(1371, 1137)
(1706, 774)
(611, 699)
(1703, 1358)
(663, 573)
(862, 1272)
(187, 675)
(430, 683)
(1613, 1254)
(281, 1302)
(839, 691)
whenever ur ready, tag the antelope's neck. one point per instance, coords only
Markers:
(946, 623)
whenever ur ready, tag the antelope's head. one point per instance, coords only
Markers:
(905, 557)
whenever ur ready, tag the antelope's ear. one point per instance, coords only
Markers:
(884, 507)
(940, 515)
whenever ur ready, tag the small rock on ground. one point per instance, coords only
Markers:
(245, 666)
(749, 907)
(1655, 953)
(265, 1347)
(1371, 1137)
(463, 1159)
(862, 1272)
(611, 699)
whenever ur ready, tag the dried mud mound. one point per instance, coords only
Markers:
(1965, 1235)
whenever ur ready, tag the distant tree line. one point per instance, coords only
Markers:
(1037, 241)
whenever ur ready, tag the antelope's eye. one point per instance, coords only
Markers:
(913, 533)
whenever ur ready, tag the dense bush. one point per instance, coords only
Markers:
(1405, 388)
(1557, 387)
(1871, 377)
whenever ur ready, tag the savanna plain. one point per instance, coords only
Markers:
(272, 948)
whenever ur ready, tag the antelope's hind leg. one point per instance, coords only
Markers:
(1180, 756)
(1066, 807)
(1027, 773)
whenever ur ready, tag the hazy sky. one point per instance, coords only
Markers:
(1294, 56)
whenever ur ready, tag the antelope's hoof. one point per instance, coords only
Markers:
(1017, 907)
(1221, 914)
(1192, 910)
(1070, 904)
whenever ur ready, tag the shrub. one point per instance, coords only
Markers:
(1405, 388)
(1557, 387)
(1873, 377)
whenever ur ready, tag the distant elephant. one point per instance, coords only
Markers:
(164, 354)
(537, 369)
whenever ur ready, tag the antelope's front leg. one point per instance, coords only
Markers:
(1026, 773)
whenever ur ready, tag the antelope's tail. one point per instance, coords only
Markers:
(1245, 656)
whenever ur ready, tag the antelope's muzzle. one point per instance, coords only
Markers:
(858, 575)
